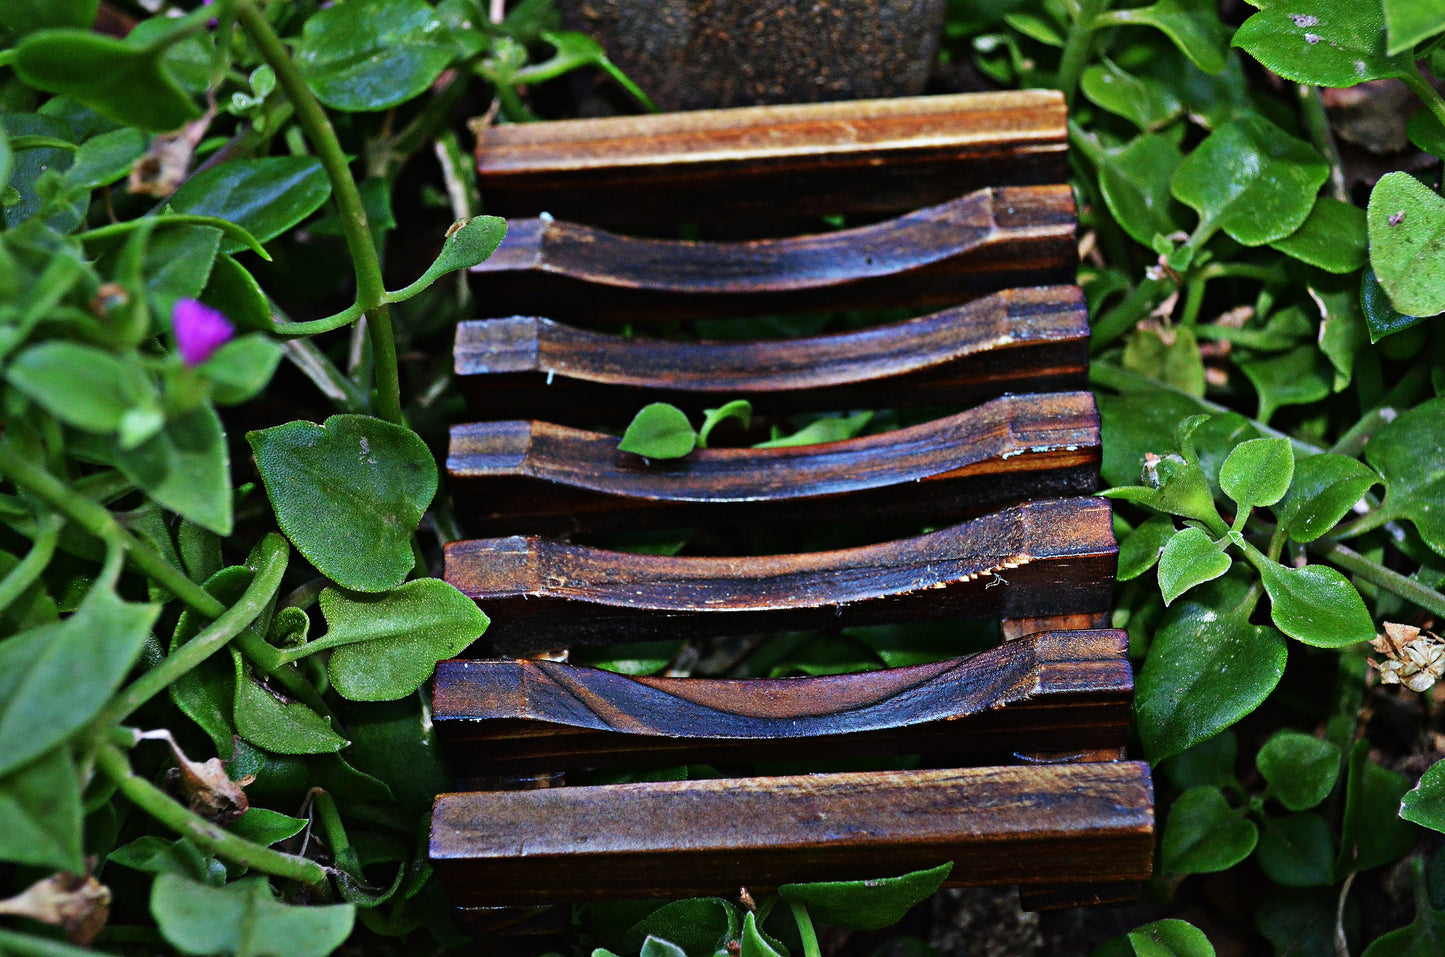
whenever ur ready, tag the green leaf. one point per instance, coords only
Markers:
(1322, 43)
(657, 947)
(1409, 21)
(740, 409)
(468, 243)
(40, 805)
(1204, 834)
(1135, 185)
(396, 743)
(1258, 472)
(244, 919)
(1343, 332)
(122, 82)
(104, 159)
(178, 262)
(827, 429)
(754, 943)
(1145, 102)
(1297, 851)
(1252, 180)
(1193, 25)
(1425, 804)
(266, 196)
(204, 694)
(348, 494)
(373, 54)
(1191, 558)
(269, 720)
(241, 368)
(700, 926)
(1140, 550)
(7, 159)
(1332, 238)
(234, 292)
(1300, 769)
(154, 855)
(1297, 377)
(80, 385)
(1426, 132)
(186, 468)
(387, 645)
(266, 827)
(1207, 668)
(1170, 938)
(1299, 923)
(1407, 243)
(659, 431)
(1169, 355)
(1371, 832)
(1210, 762)
(1315, 604)
(1177, 486)
(1381, 317)
(866, 905)
(1325, 489)
(1422, 937)
(55, 678)
(24, 16)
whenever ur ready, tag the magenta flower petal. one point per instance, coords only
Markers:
(200, 330)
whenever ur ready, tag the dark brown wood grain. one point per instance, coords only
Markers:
(1059, 690)
(539, 477)
(940, 255)
(1046, 557)
(1018, 340)
(999, 825)
(875, 157)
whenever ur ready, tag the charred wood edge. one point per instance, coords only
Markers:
(1080, 823)
(526, 714)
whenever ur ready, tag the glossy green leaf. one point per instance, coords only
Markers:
(1145, 102)
(1381, 317)
(1422, 937)
(1252, 180)
(348, 494)
(373, 54)
(269, 720)
(658, 947)
(1407, 243)
(127, 83)
(1207, 668)
(1343, 333)
(104, 159)
(1169, 355)
(1258, 472)
(1203, 834)
(1170, 938)
(1191, 558)
(40, 805)
(154, 855)
(1322, 42)
(1426, 132)
(866, 905)
(1300, 769)
(469, 243)
(1297, 377)
(1297, 850)
(1407, 22)
(244, 919)
(1135, 184)
(659, 431)
(177, 262)
(1140, 550)
(32, 167)
(204, 694)
(826, 429)
(1425, 804)
(740, 409)
(232, 291)
(1333, 237)
(396, 743)
(1315, 604)
(186, 468)
(701, 926)
(1410, 455)
(386, 645)
(241, 368)
(1371, 831)
(1325, 489)
(1177, 486)
(264, 196)
(266, 827)
(755, 943)
(24, 16)
(1193, 25)
(55, 678)
(80, 385)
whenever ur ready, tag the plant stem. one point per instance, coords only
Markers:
(1317, 124)
(1077, 48)
(97, 521)
(23, 575)
(1377, 574)
(210, 837)
(805, 929)
(274, 554)
(370, 291)
(1422, 88)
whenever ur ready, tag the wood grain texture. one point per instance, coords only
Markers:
(999, 825)
(1061, 690)
(872, 156)
(1040, 558)
(550, 479)
(1019, 340)
(939, 255)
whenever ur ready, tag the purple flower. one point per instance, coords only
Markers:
(200, 330)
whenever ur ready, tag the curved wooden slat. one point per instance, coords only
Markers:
(999, 825)
(1041, 558)
(1020, 340)
(549, 479)
(990, 239)
(1070, 690)
(863, 156)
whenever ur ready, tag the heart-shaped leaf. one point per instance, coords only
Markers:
(866, 905)
(1425, 804)
(1191, 558)
(1193, 25)
(1332, 238)
(1410, 455)
(186, 468)
(1315, 604)
(1297, 377)
(126, 83)
(244, 919)
(1141, 548)
(1324, 489)
(1407, 243)
(264, 196)
(1258, 472)
(1204, 834)
(701, 926)
(266, 718)
(1170, 938)
(40, 805)
(1371, 831)
(80, 385)
(1300, 769)
(1135, 183)
(1297, 850)
(1145, 102)
(373, 54)
(348, 494)
(1322, 42)
(659, 431)
(1409, 21)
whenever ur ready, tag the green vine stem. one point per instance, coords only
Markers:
(1422, 88)
(97, 521)
(111, 762)
(804, 920)
(274, 555)
(1376, 574)
(370, 291)
(1077, 47)
(23, 575)
(1317, 124)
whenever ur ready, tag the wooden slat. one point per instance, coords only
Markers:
(873, 156)
(999, 825)
(1041, 558)
(1019, 340)
(539, 477)
(1062, 690)
(940, 255)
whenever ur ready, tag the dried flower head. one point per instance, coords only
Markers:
(1413, 658)
(200, 330)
